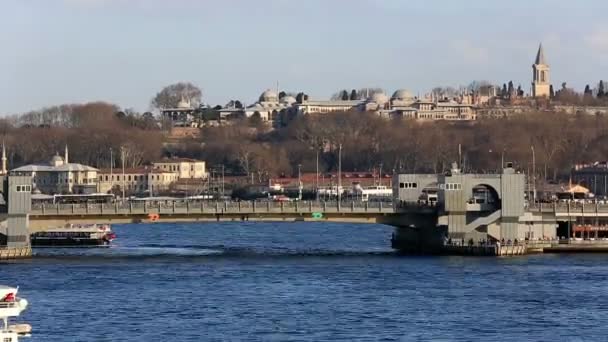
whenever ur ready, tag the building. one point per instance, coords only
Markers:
(185, 168)
(181, 116)
(269, 106)
(60, 176)
(593, 176)
(141, 180)
(540, 75)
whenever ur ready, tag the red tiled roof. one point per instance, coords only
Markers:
(178, 160)
(131, 171)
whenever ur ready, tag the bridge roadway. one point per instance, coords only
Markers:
(44, 216)
(571, 211)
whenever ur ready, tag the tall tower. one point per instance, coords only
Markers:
(540, 76)
(66, 154)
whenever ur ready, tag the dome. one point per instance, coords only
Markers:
(183, 103)
(56, 159)
(402, 94)
(269, 96)
(288, 100)
(379, 98)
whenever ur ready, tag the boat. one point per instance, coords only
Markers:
(12, 306)
(74, 236)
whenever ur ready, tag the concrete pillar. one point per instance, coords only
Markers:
(253, 205)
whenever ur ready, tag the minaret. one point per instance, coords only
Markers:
(4, 171)
(540, 75)
(65, 157)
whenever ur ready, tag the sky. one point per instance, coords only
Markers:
(125, 51)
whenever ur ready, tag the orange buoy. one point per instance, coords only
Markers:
(153, 217)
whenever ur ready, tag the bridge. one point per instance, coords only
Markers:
(43, 216)
(467, 208)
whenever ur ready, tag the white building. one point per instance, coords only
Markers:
(185, 168)
(60, 176)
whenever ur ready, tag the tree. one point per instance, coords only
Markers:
(172, 94)
(282, 94)
(301, 97)
(551, 92)
(238, 104)
(504, 92)
(511, 88)
(600, 90)
(353, 95)
(344, 96)
(587, 91)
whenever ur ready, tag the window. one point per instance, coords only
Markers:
(129, 178)
(401, 185)
(18, 188)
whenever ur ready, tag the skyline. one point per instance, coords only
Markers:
(70, 51)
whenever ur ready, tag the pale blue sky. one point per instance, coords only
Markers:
(124, 51)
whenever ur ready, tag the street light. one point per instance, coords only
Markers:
(339, 172)
(533, 175)
(122, 159)
(300, 181)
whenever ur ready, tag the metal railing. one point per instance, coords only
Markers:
(210, 207)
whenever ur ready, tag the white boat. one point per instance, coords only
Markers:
(12, 306)
(74, 235)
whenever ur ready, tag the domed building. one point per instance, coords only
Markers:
(269, 106)
(59, 176)
(377, 101)
(269, 96)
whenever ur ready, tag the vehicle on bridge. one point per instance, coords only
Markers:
(73, 198)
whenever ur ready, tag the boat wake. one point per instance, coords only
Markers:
(180, 252)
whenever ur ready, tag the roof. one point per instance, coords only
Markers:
(178, 160)
(133, 170)
(49, 168)
(540, 55)
(331, 103)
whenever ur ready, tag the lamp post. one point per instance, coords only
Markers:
(533, 175)
(122, 159)
(111, 171)
(317, 177)
(339, 172)
(223, 188)
(300, 182)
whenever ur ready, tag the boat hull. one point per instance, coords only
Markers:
(83, 242)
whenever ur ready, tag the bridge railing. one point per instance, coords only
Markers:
(211, 207)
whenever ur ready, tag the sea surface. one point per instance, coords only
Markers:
(302, 282)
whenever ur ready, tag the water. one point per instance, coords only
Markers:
(302, 282)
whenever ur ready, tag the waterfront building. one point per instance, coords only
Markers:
(185, 168)
(593, 176)
(59, 176)
(540, 75)
(140, 180)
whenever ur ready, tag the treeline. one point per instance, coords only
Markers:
(369, 142)
(90, 130)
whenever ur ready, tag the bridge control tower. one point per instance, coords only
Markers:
(14, 232)
(461, 207)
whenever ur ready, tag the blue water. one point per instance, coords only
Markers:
(302, 282)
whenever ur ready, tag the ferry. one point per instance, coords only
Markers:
(74, 236)
(12, 306)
